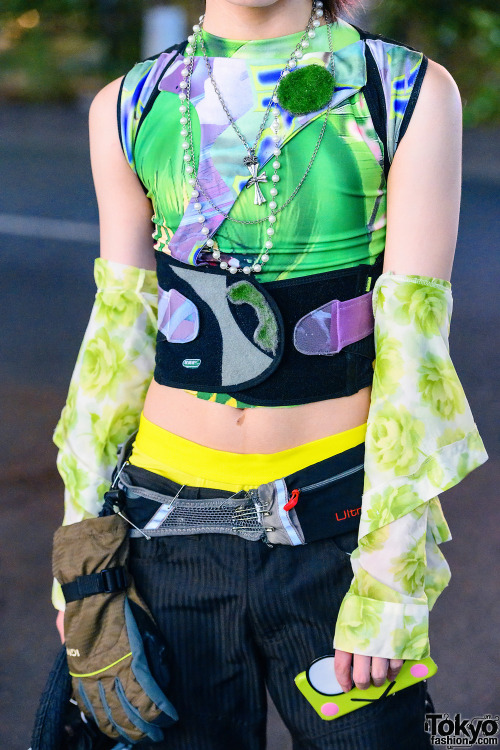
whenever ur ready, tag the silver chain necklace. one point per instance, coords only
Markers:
(250, 161)
(200, 188)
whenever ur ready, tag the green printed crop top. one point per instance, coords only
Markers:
(337, 219)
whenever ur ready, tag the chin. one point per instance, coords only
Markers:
(254, 3)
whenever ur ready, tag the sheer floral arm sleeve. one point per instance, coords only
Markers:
(107, 389)
(421, 440)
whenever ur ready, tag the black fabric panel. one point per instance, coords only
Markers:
(413, 97)
(207, 346)
(324, 469)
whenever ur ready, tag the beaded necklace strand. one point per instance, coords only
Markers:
(250, 161)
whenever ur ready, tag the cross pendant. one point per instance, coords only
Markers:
(253, 167)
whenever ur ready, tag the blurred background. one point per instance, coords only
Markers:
(54, 56)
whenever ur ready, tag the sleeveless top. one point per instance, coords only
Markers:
(338, 218)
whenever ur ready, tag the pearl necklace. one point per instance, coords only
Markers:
(250, 161)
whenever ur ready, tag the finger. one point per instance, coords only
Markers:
(379, 670)
(60, 624)
(361, 671)
(343, 663)
(394, 668)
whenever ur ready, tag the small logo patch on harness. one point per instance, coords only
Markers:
(72, 652)
(191, 363)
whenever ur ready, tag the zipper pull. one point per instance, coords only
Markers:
(292, 502)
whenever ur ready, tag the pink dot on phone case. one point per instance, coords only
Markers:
(329, 709)
(419, 670)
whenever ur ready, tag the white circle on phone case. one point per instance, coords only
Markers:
(321, 676)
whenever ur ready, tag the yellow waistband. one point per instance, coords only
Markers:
(185, 462)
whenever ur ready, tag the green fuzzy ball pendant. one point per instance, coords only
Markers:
(306, 89)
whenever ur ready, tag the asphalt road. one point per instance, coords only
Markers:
(46, 293)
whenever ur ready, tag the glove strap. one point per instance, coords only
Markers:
(108, 581)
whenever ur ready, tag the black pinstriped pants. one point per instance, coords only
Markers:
(239, 616)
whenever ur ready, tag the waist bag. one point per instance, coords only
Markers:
(116, 656)
(317, 502)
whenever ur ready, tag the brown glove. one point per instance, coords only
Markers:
(116, 655)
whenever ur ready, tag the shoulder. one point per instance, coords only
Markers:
(439, 94)
(108, 97)
(105, 99)
(437, 117)
(117, 107)
(104, 129)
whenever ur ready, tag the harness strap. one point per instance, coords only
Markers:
(108, 581)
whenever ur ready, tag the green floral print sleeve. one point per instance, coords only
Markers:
(107, 389)
(421, 440)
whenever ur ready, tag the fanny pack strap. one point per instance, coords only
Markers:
(330, 499)
(261, 514)
(240, 514)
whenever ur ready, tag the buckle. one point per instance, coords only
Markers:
(114, 579)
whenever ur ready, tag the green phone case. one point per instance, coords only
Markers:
(320, 687)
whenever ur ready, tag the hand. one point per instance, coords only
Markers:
(60, 624)
(363, 666)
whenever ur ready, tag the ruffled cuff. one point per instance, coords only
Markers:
(399, 572)
(394, 630)
(109, 275)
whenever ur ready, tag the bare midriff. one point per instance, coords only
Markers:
(250, 430)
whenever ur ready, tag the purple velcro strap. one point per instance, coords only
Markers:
(330, 328)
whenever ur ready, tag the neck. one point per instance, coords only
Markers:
(227, 18)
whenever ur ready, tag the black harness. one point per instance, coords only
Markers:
(226, 355)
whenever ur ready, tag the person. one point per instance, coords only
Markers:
(274, 193)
